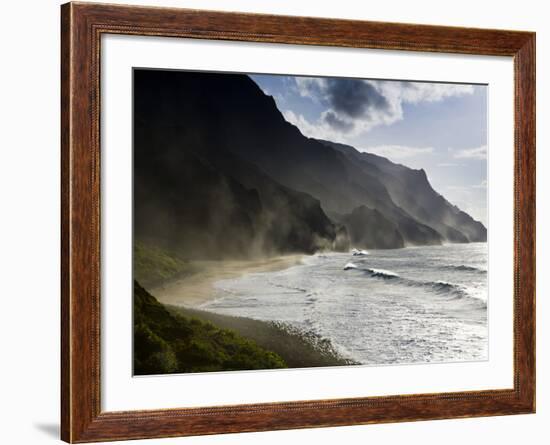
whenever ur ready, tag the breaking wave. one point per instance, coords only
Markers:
(439, 287)
(379, 273)
(463, 267)
(382, 273)
(455, 291)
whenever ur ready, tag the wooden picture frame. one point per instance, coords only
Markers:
(82, 25)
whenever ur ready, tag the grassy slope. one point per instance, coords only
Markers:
(298, 349)
(175, 340)
(165, 342)
(153, 265)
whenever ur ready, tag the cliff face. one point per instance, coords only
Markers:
(411, 190)
(369, 229)
(193, 195)
(219, 172)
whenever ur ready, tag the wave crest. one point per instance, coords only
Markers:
(464, 268)
(382, 273)
(440, 287)
(454, 290)
(378, 273)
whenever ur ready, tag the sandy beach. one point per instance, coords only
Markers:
(185, 294)
(197, 288)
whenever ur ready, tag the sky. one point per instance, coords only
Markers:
(440, 127)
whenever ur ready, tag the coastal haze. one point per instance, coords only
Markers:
(256, 246)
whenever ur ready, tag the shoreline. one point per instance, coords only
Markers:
(185, 294)
(197, 288)
(298, 349)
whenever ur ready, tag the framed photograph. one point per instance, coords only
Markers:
(275, 222)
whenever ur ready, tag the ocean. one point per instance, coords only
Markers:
(400, 306)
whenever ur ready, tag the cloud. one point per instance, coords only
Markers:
(478, 153)
(448, 164)
(396, 152)
(355, 98)
(355, 106)
(280, 99)
(416, 92)
(481, 185)
(321, 130)
(310, 87)
(333, 121)
(468, 189)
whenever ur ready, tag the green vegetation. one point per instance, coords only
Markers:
(299, 349)
(153, 265)
(165, 342)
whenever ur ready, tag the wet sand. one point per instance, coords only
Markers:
(197, 288)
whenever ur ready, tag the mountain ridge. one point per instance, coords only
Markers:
(218, 165)
(426, 205)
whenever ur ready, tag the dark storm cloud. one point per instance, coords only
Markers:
(338, 124)
(355, 98)
(348, 107)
